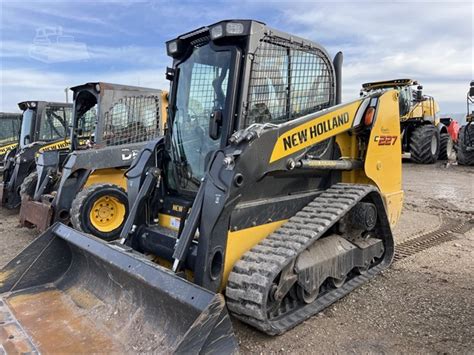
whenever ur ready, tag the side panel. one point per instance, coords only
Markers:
(241, 241)
(111, 176)
(383, 162)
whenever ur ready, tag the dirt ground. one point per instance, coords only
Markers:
(423, 304)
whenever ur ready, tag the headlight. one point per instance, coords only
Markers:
(234, 28)
(217, 32)
(172, 47)
(97, 87)
(33, 104)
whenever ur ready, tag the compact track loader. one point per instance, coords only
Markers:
(9, 129)
(269, 193)
(44, 126)
(424, 138)
(86, 185)
(465, 143)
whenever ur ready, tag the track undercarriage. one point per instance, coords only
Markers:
(307, 264)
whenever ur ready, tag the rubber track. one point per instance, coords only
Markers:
(431, 239)
(252, 276)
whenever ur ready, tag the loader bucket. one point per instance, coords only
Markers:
(69, 292)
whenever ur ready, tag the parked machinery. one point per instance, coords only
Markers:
(424, 138)
(267, 190)
(9, 130)
(44, 127)
(465, 151)
(86, 186)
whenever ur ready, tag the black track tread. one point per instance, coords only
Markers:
(466, 157)
(28, 186)
(250, 281)
(443, 146)
(420, 144)
(78, 203)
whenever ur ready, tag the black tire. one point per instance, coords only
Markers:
(84, 202)
(28, 187)
(424, 144)
(443, 146)
(465, 141)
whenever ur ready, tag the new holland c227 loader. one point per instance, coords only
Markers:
(267, 199)
(86, 185)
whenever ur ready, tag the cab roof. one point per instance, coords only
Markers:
(388, 84)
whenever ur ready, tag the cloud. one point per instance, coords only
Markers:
(427, 41)
(31, 84)
(430, 41)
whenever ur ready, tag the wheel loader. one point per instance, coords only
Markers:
(267, 199)
(85, 185)
(424, 138)
(44, 127)
(465, 143)
(9, 128)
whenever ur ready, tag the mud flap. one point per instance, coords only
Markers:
(70, 292)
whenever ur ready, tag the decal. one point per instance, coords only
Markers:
(385, 140)
(314, 131)
(6, 148)
(129, 154)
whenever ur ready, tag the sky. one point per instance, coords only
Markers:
(47, 46)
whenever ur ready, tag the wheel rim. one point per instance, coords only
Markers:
(107, 214)
(434, 144)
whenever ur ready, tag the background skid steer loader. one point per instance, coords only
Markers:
(266, 187)
(9, 129)
(86, 185)
(44, 127)
(424, 138)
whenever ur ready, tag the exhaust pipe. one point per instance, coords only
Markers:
(337, 61)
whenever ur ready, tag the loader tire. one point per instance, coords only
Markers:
(466, 141)
(28, 187)
(443, 146)
(101, 210)
(424, 144)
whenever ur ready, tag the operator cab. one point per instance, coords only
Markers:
(217, 88)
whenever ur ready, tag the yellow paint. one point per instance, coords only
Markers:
(168, 221)
(164, 110)
(239, 242)
(107, 214)
(107, 176)
(383, 164)
(6, 148)
(425, 109)
(318, 129)
(349, 146)
(58, 145)
(63, 144)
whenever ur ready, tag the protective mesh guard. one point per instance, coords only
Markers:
(288, 80)
(132, 119)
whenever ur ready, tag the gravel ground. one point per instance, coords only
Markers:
(422, 304)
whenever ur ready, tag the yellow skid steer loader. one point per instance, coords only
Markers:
(270, 195)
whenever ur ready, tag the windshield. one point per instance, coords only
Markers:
(26, 127)
(54, 123)
(8, 130)
(202, 88)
